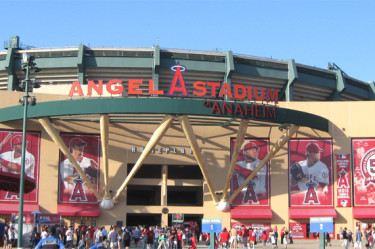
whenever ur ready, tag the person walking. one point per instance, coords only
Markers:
(358, 238)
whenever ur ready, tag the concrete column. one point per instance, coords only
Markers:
(164, 216)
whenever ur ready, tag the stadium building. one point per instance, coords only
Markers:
(132, 136)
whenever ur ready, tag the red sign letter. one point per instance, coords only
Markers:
(76, 88)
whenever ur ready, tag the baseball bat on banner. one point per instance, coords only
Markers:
(6, 139)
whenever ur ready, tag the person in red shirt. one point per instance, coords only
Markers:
(252, 238)
(193, 240)
(264, 239)
(150, 237)
(224, 238)
(179, 239)
(245, 236)
(282, 235)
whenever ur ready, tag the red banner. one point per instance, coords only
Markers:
(72, 188)
(364, 171)
(343, 180)
(310, 173)
(298, 230)
(10, 161)
(256, 193)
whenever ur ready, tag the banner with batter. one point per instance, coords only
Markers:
(85, 150)
(256, 193)
(364, 171)
(10, 161)
(310, 173)
(343, 180)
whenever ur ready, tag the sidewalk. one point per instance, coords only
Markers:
(300, 244)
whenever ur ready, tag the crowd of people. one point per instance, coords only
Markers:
(88, 237)
(248, 237)
(350, 240)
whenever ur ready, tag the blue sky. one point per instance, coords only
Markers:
(313, 33)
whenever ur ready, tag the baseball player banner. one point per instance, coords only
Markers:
(257, 192)
(364, 171)
(10, 161)
(85, 150)
(310, 173)
(343, 180)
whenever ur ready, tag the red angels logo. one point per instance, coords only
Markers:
(368, 166)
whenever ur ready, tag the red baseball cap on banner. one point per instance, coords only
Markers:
(250, 145)
(77, 141)
(313, 147)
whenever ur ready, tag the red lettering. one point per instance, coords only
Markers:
(250, 195)
(118, 88)
(257, 111)
(271, 112)
(311, 195)
(213, 86)
(238, 88)
(228, 108)
(372, 165)
(12, 195)
(272, 96)
(343, 181)
(262, 97)
(133, 87)
(98, 88)
(76, 88)
(250, 89)
(182, 88)
(200, 86)
(216, 108)
(78, 191)
(249, 110)
(225, 90)
(238, 110)
(151, 88)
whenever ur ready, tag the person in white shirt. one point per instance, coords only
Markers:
(69, 237)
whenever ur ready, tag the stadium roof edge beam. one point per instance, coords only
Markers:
(157, 106)
(82, 63)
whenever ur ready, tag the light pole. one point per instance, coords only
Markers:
(28, 64)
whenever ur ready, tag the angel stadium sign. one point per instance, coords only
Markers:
(178, 87)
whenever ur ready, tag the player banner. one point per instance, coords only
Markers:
(10, 161)
(72, 188)
(364, 171)
(257, 192)
(310, 173)
(343, 180)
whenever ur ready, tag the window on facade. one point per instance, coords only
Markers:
(147, 171)
(184, 172)
(185, 196)
(143, 195)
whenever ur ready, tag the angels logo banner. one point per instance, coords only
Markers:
(343, 180)
(257, 192)
(10, 161)
(364, 171)
(72, 188)
(310, 172)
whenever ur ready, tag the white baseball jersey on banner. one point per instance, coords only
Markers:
(8, 157)
(67, 169)
(316, 173)
(259, 180)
